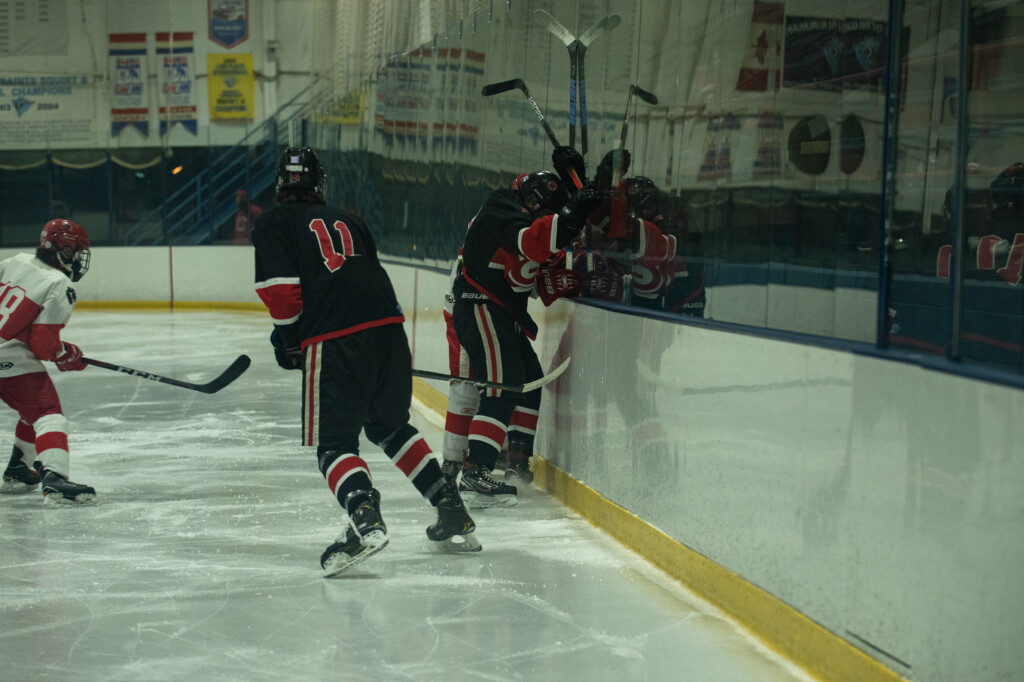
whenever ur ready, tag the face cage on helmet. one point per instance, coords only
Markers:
(76, 264)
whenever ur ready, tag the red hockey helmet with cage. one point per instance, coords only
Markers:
(69, 244)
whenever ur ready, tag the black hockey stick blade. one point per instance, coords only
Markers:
(503, 86)
(645, 95)
(544, 18)
(599, 29)
(512, 388)
(236, 370)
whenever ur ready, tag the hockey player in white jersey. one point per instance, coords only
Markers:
(36, 300)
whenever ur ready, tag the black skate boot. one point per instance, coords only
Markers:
(18, 476)
(480, 490)
(365, 536)
(518, 468)
(453, 522)
(58, 489)
(502, 462)
(451, 468)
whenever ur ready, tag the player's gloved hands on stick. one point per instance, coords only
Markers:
(567, 161)
(287, 358)
(71, 359)
(574, 214)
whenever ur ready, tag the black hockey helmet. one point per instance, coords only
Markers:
(1006, 193)
(542, 192)
(299, 169)
(65, 245)
(642, 195)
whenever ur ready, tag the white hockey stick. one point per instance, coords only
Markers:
(513, 388)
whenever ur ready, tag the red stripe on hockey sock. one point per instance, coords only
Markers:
(487, 429)
(458, 424)
(341, 470)
(412, 459)
(524, 421)
(52, 440)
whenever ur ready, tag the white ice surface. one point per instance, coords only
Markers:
(201, 559)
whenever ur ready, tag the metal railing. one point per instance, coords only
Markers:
(193, 213)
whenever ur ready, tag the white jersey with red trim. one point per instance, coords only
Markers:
(36, 301)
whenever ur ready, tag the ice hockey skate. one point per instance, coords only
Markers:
(450, 469)
(58, 490)
(454, 529)
(365, 536)
(518, 468)
(479, 490)
(19, 477)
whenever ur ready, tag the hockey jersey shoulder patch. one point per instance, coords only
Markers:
(72, 296)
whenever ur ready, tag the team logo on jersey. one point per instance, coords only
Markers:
(6, 365)
(72, 297)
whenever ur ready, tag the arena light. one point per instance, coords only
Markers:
(176, 170)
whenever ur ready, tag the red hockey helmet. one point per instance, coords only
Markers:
(69, 245)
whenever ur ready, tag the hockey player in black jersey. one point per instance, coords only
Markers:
(514, 231)
(337, 319)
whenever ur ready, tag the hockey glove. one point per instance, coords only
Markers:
(71, 359)
(287, 358)
(603, 285)
(574, 214)
(605, 173)
(569, 164)
(555, 283)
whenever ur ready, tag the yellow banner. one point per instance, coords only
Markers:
(232, 87)
(347, 110)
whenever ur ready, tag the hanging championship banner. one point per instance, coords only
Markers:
(42, 112)
(36, 28)
(128, 74)
(232, 87)
(229, 21)
(177, 105)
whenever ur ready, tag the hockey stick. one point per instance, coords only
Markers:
(518, 84)
(589, 36)
(577, 50)
(236, 369)
(513, 388)
(617, 158)
(555, 27)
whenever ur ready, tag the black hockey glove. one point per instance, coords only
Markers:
(605, 173)
(567, 162)
(574, 214)
(287, 358)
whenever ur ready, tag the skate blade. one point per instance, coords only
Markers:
(341, 562)
(17, 487)
(460, 544)
(58, 500)
(477, 501)
(512, 477)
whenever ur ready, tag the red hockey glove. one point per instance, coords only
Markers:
(602, 285)
(71, 359)
(556, 283)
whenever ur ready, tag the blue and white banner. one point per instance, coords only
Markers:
(229, 21)
(177, 103)
(42, 112)
(129, 105)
